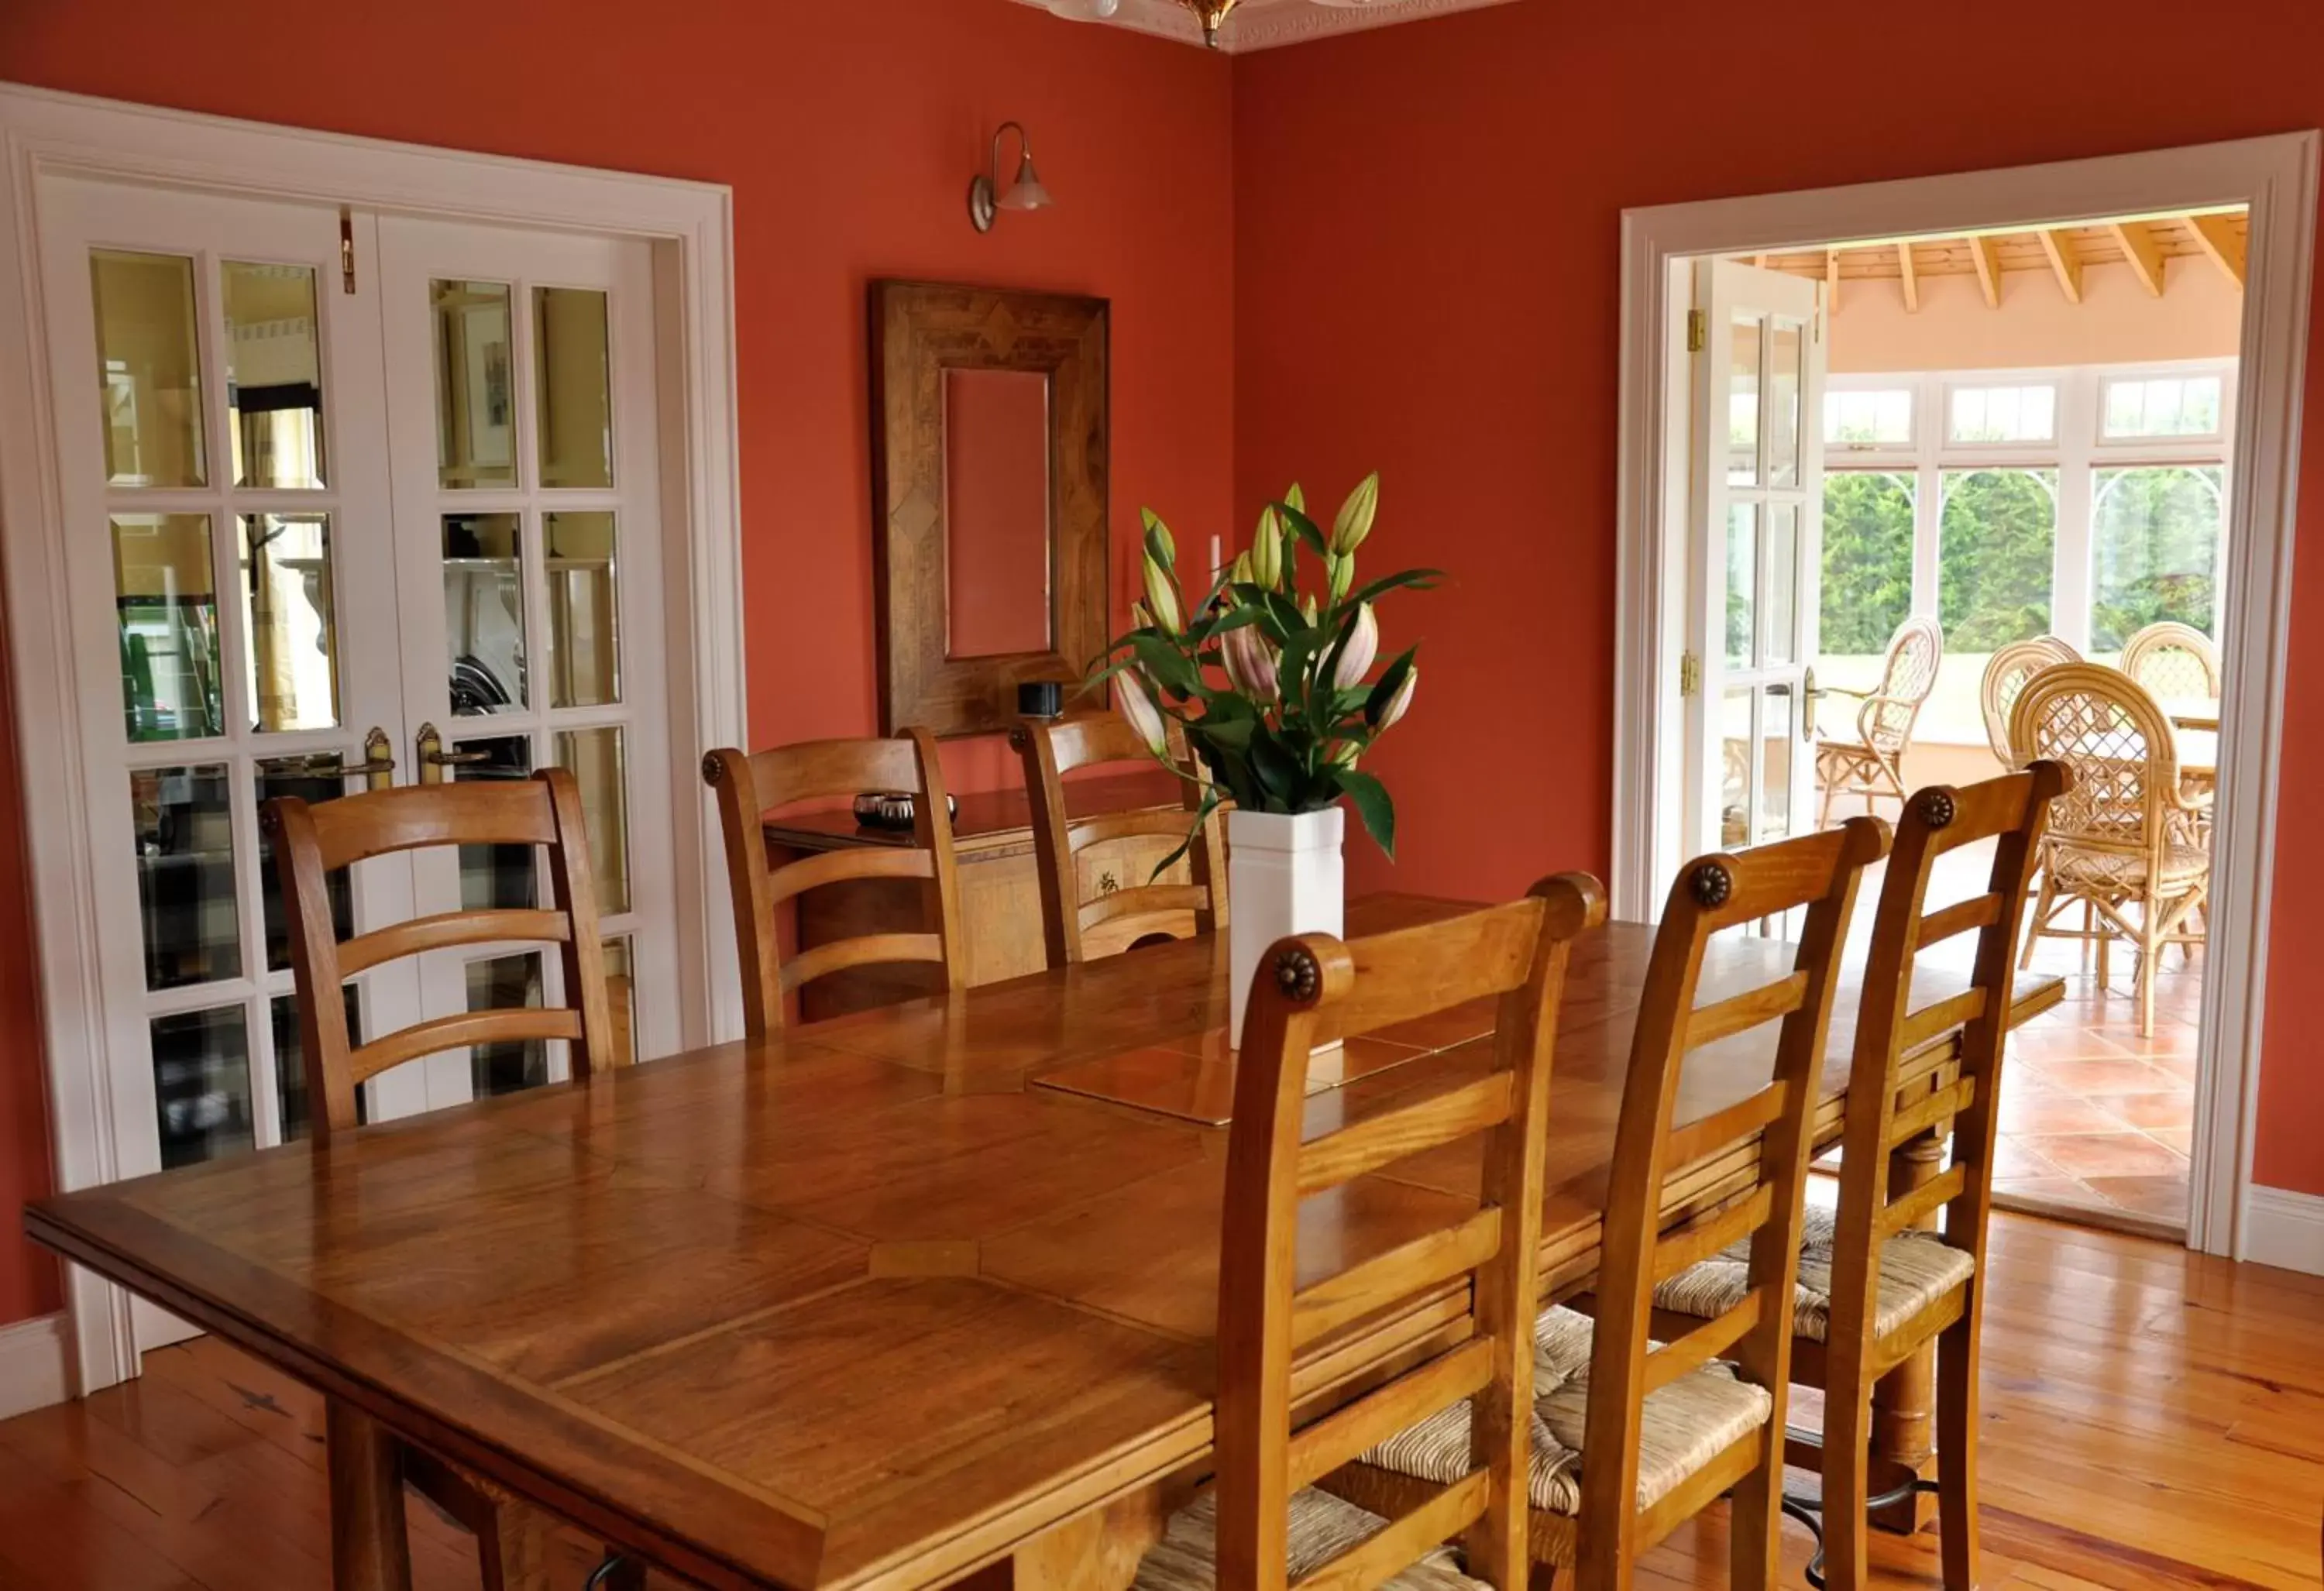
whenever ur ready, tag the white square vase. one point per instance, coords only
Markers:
(1284, 877)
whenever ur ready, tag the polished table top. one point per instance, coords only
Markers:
(875, 1303)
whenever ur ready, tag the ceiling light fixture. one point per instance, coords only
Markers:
(1211, 14)
(986, 199)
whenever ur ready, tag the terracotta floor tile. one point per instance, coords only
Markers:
(2179, 1138)
(2064, 1189)
(2169, 1039)
(2015, 1159)
(2074, 1043)
(2164, 1197)
(2148, 1112)
(2089, 1077)
(2092, 1156)
(2050, 1112)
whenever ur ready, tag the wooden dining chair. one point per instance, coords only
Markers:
(2006, 673)
(1871, 764)
(1876, 1286)
(1635, 1436)
(750, 786)
(2127, 839)
(1078, 925)
(2173, 662)
(1263, 1525)
(312, 843)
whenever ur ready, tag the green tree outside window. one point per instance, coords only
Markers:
(1997, 547)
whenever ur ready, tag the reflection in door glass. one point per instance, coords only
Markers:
(1775, 770)
(583, 631)
(201, 1084)
(166, 602)
(500, 983)
(185, 874)
(1742, 580)
(483, 612)
(296, 776)
(1743, 404)
(289, 1062)
(573, 389)
(290, 665)
(1783, 377)
(1778, 611)
(621, 991)
(497, 877)
(594, 756)
(149, 369)
(475, 391)
(274, 375)
(1735, 768)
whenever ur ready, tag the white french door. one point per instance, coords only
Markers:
(1756, 494)
(526, 506)
(340, 490)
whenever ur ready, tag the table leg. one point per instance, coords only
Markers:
(369, 1551)
(1098, 1551)
(1903, 1400)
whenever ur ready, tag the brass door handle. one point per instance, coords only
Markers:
(1809, 692)
(378, 766)
(434, 759)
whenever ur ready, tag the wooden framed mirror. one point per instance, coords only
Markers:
(990, 498)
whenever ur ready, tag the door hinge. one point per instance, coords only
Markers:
(346, 250)
(1689, 675)
(1698, 331)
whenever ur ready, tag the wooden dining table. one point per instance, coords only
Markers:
(920, 1291)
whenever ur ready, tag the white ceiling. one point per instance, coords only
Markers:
(1265, 24)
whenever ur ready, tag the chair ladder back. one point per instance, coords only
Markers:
(1265, 1317)
(750, 786)
(1050, 751)
(314, 842)
(1821, 873)
(1882, 1113)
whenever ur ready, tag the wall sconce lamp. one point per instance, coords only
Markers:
(985, 198)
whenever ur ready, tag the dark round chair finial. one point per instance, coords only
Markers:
(1296, 973)
(1936, 807)
(1711, 883)
(270, 821)
(712, 769)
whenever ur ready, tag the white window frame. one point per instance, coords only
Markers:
(2078, 453)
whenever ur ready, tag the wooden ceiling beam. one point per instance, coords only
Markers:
(1832, 282)
(2217, 235)
(1988, 269)
(2144, 254)
(2064, 263)
(1907, 278)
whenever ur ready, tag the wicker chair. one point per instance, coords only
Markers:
(1872, 764)
(2174, 662)
(2005, 681)
(2124, 841)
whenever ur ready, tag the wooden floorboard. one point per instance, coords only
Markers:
(2154, 1420)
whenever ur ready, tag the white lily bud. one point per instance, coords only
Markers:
(1402, 699)
(1249, 663)
(1355, 520)
(1363, 646)
(1267, 549)
(1139, 710)
(1345, 753)
(1161, 599)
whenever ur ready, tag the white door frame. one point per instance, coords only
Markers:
(2276, 177)
(691, 227)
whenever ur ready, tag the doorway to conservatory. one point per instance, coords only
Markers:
(1922, 473)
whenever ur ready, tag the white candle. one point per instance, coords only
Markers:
(1216, 564)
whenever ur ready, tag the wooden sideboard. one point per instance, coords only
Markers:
(1000, 892)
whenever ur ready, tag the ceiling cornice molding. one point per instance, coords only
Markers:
(1270, 25)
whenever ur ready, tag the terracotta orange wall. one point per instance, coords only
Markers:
(849, 131)
(1427, 281)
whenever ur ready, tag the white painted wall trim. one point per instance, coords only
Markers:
(2276, 177)
(33, 1365)
(691, 225)
(2285, 1229)
(1270, 25)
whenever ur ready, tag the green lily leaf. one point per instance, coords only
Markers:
(1370, 799)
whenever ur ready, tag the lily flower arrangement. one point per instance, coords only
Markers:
(1272, 684)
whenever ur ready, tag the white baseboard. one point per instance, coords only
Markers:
(2284, 1228)
(32, 1364)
